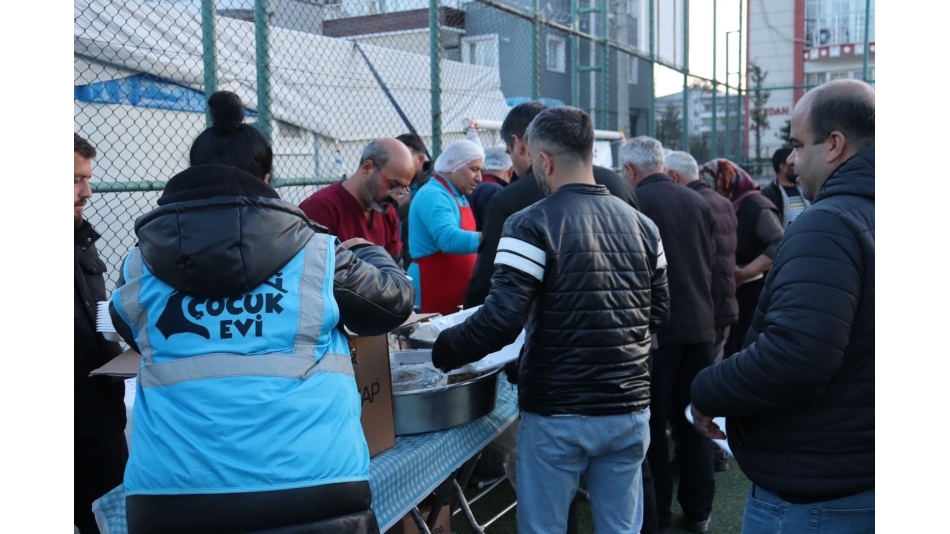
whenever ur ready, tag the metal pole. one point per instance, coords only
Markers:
(208, 36)
(575, 57)
(867, 38)
(651, 108)
(535, 39)
(685, 75)
(435, 75)
(739, 122)
(604, 77)
(726, 134)
(262, 37)
(715, 87)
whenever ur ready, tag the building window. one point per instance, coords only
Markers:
(481, 50)
(815, 78)
(556, 54)
(633, 71)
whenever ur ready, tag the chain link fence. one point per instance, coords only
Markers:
(322, 78)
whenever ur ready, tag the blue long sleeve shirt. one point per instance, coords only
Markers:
(435, 226)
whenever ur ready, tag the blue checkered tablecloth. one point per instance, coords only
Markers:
(400, 477)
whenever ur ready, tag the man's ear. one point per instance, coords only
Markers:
(548, 163)
(520, 147)
(835, 145)
(367, 167)
(267, 178)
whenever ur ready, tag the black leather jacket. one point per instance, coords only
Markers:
(585, 275)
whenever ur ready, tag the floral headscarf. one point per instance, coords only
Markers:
(729, 180)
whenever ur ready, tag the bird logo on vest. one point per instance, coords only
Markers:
(173, 321)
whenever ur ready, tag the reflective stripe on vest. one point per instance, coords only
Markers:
(229, 365)
(131, 304)
(298, 365)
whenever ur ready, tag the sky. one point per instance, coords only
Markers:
(701, 44)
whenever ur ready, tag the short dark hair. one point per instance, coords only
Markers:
(848, 112)
(563, 132)
(231, 142)
(413, 142)
(82, 147)
(518, 119)
(780, 157)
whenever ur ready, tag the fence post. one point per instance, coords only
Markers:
(685, 75)
(604, 78)
(575, 57)
(740, 120)
(651, 106)
(715, 89)
(208, 36)
(535, 55)
(435, 72)
(262, 38)
(867, 39)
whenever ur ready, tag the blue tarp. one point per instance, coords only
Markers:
(146, 91)
(549, 102)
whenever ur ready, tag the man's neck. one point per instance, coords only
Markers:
(581, 175)
(353, 188)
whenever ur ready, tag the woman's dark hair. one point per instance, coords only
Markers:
(229, 141)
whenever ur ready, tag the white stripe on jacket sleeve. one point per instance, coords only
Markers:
(520, 263)
(529, 251)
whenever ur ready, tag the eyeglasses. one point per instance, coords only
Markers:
(396, 190)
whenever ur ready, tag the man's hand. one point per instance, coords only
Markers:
(705, 425)
(350, 243)
(442, 356)
(741, 276)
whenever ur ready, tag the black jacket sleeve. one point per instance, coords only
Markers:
(813, 292)
(495, 218)
(660, 294)
(499, 321)
(373, 292)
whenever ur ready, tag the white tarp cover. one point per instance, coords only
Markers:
(318, 83)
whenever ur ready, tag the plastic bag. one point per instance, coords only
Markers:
(417, 376)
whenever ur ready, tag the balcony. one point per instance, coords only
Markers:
(836, 29)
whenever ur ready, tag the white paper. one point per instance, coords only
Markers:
(721, 421)
(497, 359)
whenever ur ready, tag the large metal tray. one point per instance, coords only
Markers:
(430, 410)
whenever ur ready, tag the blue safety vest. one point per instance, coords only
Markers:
(247, 393)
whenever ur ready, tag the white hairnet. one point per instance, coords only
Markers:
(457, 155)
(497, 158)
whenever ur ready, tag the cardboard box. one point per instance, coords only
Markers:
(373, 378)
(407, 525)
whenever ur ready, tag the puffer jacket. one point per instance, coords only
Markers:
(99, 408)
(221, 260)
(724, 263)
(585, 274)
(799, 398)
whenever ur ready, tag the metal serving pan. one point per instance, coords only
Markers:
(433, 409)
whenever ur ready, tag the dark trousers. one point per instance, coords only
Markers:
(673, 370)
(650, 525)
(99, 466)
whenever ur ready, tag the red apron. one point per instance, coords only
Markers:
(444, 277)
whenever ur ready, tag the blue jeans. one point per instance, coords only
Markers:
(553, 451)
(766, 512)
